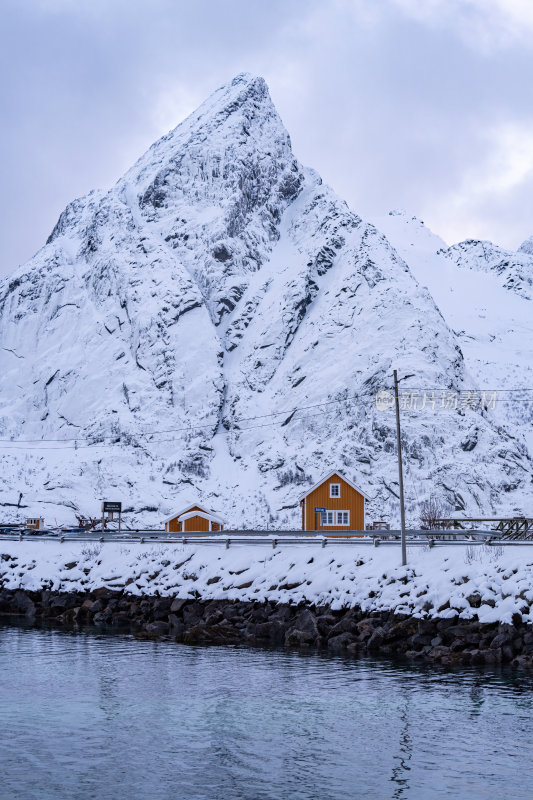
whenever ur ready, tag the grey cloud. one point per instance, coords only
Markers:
(391, 111)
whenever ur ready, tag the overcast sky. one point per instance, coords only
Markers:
(424, 105)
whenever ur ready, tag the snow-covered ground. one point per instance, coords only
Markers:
(488, 582)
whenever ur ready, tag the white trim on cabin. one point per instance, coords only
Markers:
(185, 510)
(211, 518)
(203, 514)
(333, 493)
(327, 477)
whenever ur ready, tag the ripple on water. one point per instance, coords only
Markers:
(93, 716)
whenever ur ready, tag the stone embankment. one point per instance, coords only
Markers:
(448, 641)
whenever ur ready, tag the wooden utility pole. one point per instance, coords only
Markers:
(400, 470)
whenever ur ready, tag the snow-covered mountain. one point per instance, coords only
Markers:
(485, 294)
(217, 324)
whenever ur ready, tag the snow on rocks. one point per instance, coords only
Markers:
(472, 582)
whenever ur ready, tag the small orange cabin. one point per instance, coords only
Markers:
(194, 518)
(34, 523)
(342, 505)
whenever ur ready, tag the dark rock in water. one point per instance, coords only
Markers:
(192, 613)
(213, 617)
(305, 621)
(303, 630)
(418, 641)
(450, 642)
(426, 626)
(70, 615)
(507, 653)
(60, 602)
(161, 609)
(120, 620)
(194, 635)
(504, 638)
(376, 640)
(297, 638)
(283, 613)
(337, 644)
(493, 655)
(477, 657)
(160, 628)
(232, 611)
(6, 602)
(324, 622)
(23, 604)
(273, 631)
(438, 652)
(176, 626)
(223, 633)
(345, 625)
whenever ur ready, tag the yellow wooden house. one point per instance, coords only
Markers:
(35, 523)
(341, 504)
(194, 518)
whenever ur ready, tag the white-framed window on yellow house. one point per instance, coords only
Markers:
(334, 490)
(335, 518)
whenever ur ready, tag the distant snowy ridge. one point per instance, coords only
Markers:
(217, 283)
(515, 269)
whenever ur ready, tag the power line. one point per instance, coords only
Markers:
(84, 443)
(233, 428)
(198, 427)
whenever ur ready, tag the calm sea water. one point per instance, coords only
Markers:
(92, 716)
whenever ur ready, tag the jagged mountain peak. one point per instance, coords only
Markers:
(235, 136)
(209, 195)
(239, 113)
(513, 269)
(527, 247)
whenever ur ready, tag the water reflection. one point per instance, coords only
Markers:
(400, 772)
(96, 717)
(477, 697)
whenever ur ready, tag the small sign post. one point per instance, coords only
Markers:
(319, 510)
(112, 508)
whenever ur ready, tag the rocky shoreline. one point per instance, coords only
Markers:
(350, 631)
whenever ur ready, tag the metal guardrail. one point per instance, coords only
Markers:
(368, 538)
(157, 533)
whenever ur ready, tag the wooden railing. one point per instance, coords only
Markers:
(508, 527)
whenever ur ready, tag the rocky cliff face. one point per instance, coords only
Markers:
(515, 270)
(216, 326)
